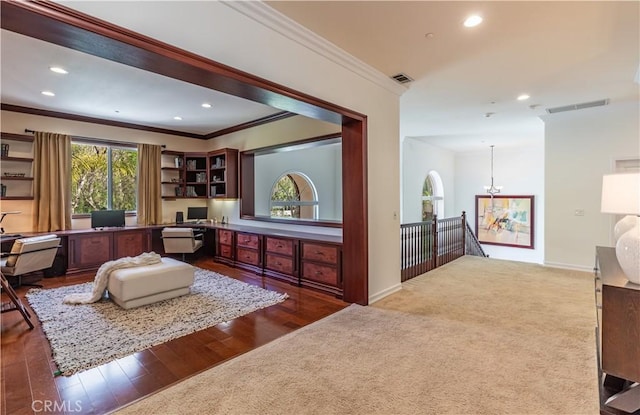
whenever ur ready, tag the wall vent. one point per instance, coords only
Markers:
(574, 107)
(402, 78)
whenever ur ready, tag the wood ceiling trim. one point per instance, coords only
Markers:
(82, 118)
(74, 117)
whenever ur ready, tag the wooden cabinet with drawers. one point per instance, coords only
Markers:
(288, 256)
(131, 243)
(321, 266)
(224, 246)
(88, 251)
(248, 254)
(281, 258)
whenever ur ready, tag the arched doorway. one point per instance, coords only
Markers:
(432, 196)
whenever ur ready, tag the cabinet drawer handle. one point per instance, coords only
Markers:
(280, 246)
(319, 253)
(278, 263)
(318, 272)
(247, 257)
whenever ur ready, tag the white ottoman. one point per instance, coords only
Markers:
(133, 287)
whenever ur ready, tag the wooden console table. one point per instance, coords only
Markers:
(619, 335)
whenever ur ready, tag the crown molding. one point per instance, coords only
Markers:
(278, 22)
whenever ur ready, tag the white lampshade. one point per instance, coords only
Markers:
(621, 194)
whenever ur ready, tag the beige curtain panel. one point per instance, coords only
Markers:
(51, 181)
(149, 187)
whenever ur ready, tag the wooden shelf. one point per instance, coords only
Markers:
(15, 178)
(22, 159)
(7, 158)
(173, 153)
(222, 162)
(16, 197)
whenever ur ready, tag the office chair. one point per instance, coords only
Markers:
(181, 241)
(30, 254)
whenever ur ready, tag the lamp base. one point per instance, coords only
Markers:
(628, 253)
(625, 224)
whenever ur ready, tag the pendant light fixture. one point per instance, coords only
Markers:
(492, 190)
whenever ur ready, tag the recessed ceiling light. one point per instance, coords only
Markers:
(206, 105)
(473, 21)
(523, 97)
(48, 93)
(58, 69)
(177, 118)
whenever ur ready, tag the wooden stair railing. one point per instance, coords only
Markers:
(427, 245)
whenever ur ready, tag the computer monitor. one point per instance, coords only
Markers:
(107, 218)
(197, 213)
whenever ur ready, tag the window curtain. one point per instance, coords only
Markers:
(51, 181)
(149, 187)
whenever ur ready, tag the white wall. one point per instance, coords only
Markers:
(521, 171)
(283, 131)
(217, 31)
(580, 147)
(418, 159)
(322, 165)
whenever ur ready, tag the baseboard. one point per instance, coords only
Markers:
(380, 295)
(568, 266)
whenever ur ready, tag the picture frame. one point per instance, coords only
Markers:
(505, 220)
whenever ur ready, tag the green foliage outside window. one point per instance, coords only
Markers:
(285, 190)
(90, 178)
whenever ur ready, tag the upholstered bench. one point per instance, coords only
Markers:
(137, 286)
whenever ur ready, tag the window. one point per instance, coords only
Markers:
(102, 177)
(432, 196)
(294, 196)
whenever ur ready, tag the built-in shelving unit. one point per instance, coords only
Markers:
(196, 175)
(223, 173)
(199, 175)
(16, 176)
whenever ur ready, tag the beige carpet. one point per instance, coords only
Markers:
(477, 336)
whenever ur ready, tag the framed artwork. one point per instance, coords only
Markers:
(505, 220)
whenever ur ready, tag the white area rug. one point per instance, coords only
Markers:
(88, 335)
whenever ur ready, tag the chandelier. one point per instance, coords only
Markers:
(492, 190)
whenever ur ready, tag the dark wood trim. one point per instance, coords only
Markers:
(250, 124)
(60, 25)
(93, 120)
(17, 137)
(55, 23)
(74, 117)
(324, 224)
(334, 137)
(355, 219)
(247, 185)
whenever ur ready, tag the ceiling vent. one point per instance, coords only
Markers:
(402, 78)
(574, 107)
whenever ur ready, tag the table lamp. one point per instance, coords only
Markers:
(621, 195)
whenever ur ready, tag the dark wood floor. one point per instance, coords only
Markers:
(29, 384)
